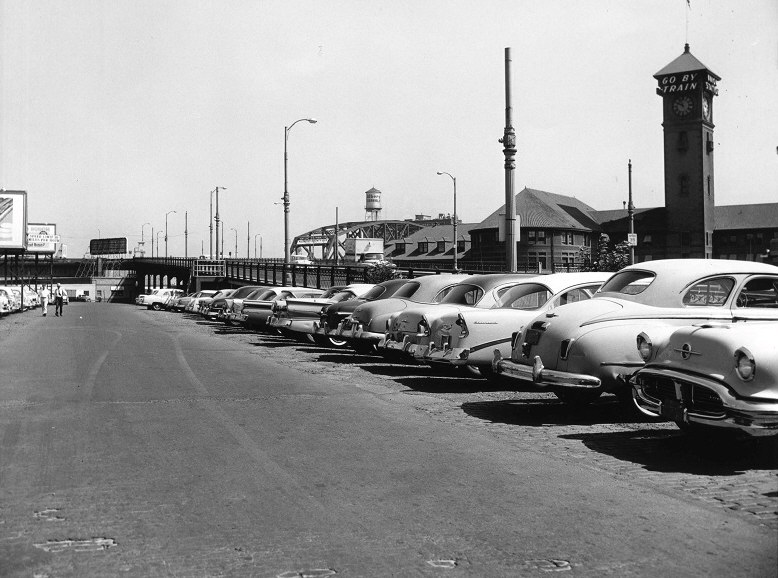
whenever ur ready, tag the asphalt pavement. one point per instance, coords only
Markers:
(142, 443)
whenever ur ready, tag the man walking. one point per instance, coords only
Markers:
(44, 295)
(59, 296)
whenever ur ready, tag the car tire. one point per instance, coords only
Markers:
(156, 306)
(327, 341)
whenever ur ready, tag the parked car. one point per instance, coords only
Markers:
(204, 303)
(408, 331)
(256, 309)
(5, 302)
(469, 336)
(295, 317)
(157, 298)
(365, 328)
(235, 299)
(215, 308)
(712, 377)
(326, 329)
(193, 306)
(584, 349)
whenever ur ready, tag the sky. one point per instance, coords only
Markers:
(115, 113)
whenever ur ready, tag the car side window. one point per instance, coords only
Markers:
(759, 292)
(440, 296)
(709, 292)
(575, 295)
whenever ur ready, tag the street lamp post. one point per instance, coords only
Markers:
(236, 240)
(158, 234)
(166, 214)
(286, 191)
(255, 244)
(454, 179)
(217, 223)
(141, 237)
(210, 231)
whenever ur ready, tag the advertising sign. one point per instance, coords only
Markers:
(13, 221)
(114, 246)
(42, 238)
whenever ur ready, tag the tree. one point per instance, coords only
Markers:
(609, 257)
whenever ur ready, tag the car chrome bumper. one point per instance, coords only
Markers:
(540, 376)
(448, 356)
(756, 418)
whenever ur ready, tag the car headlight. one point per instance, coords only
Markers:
(645, 347)
(745, 364)
(423, 328)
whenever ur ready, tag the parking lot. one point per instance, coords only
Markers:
(649, 481)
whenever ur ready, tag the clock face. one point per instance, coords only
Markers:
(706, 108)
(683, 105)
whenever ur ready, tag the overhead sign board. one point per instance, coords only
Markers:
(113, 246)
(42, 238)
(13, 221)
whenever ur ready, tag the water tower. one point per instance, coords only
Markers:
(372, 204)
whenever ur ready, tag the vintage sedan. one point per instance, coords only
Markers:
(470, 336)
(295, 317)
(584, 349)
(326, 329)
(365, 328)
(223, 303)
(255, 310)
(5, 302)
(408, 331)
(194, 305)
(204, 303)
(712, 377)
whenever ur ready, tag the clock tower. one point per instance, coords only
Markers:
(687, 88)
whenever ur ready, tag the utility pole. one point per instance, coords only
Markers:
(509, 150)
(186, 234)
(217, 225)
(248, 240)
(631, 213)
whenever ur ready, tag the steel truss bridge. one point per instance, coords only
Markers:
(330, 238)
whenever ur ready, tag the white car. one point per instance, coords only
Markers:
(157, 298)
(470, 336)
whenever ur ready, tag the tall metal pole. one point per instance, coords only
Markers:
(287, 243)
(236, 240)
(166, 214)
(186, 234)
(454, 180)
(152, 242)
(509, 150)
(336, 236)
(218, 253)
(248, 239)
(631, 213)
(210, 228)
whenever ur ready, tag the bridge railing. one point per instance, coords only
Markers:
(276, 272)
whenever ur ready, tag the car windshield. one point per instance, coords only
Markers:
(526, 296)
(243, 292)
(463, 294)
(628, 282)
(330, 292)
(263, 295)
(374, 293)
(406, 291)
(342, 296)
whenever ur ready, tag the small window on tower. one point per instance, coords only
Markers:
(683, 141)
(683, 185)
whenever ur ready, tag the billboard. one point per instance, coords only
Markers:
(114, 246)
(42, 238)
(13, 221)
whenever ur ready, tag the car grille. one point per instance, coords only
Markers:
(696, 398)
